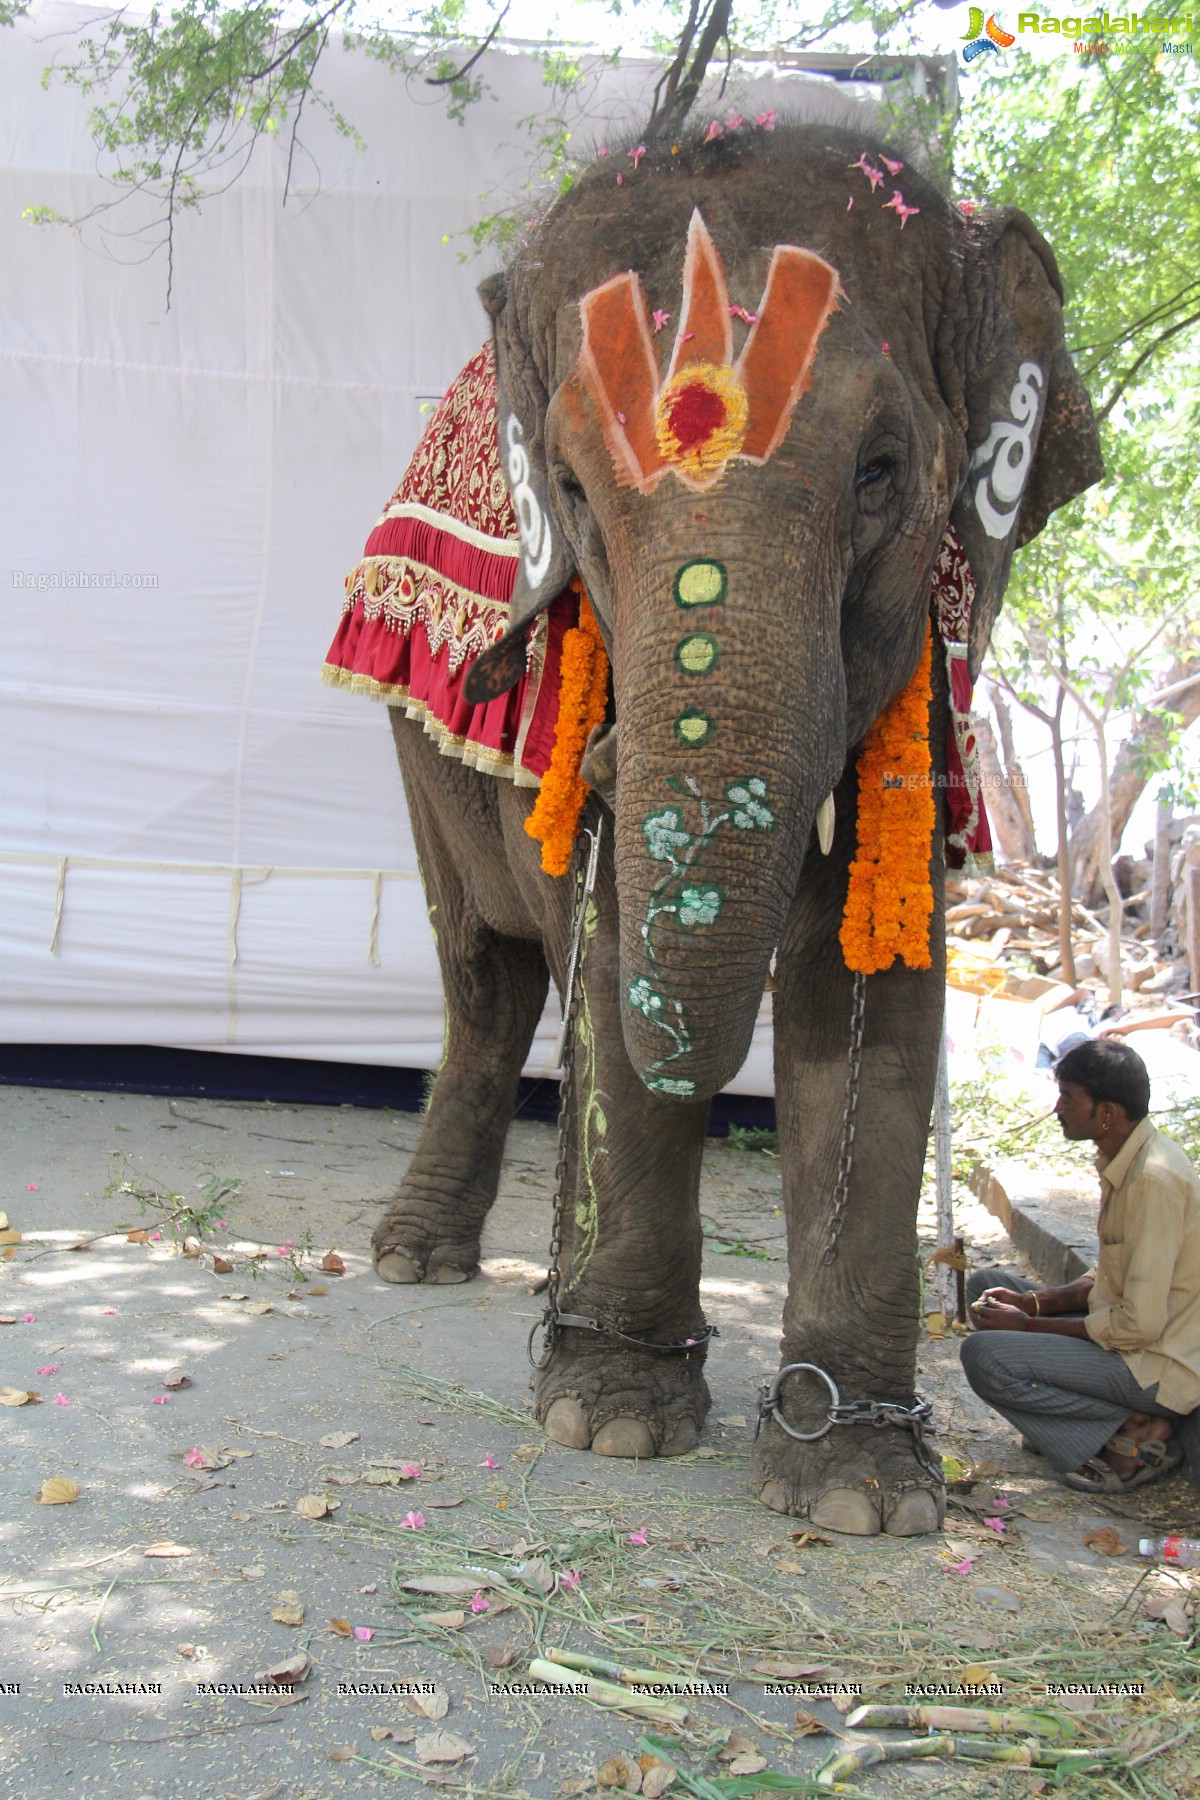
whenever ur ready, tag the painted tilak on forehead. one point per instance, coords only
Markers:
(707, 409)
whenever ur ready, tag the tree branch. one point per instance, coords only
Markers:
(1162, 338)
(675, 112)
(449, 80)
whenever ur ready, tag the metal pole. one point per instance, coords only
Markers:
(944, 1180)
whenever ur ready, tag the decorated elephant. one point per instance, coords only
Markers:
(700, 558)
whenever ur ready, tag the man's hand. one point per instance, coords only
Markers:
(999, 1309)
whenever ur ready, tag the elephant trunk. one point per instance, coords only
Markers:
(731, 739)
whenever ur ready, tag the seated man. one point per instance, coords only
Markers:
(1103, 1369)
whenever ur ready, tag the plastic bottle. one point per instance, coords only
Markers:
(1177, 1552)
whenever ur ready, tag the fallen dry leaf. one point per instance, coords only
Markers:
(527, 1452)
(749, 1764)
(343, 1753)
(448, 1621)
(258, 1307)
(1105, 1541)
(289, 1612)
(314, 1291)
(620, 1771)
(440, 1747)
(9, 1235)
(738, 1743)
(429, 1706)
(192, 1246)
(499, 1656)
(232, 1450)
(221, 1265)
(1178, 1617)
(658, 1778)
(167, 1548)
(337, 1440)
(787, 1668)
(801, 1538)
(315, 1506)
(949, 1257)
(11, 1396)
(137, 1237)
(341, 1628)
(187, 1651)
(805, 1725)
(233, 1296)
(449, 1584)
(7, 1319)
(536, 1573)
(978, 1675)
(1076, 1703)
(379, 1733)
(332, 1264)
(176, 1378)
(58, 1491)
(288, 1672)
(251, 1571)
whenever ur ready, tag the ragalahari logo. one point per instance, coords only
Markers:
(980, 38)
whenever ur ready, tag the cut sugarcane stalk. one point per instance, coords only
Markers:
(607, 1693)
(956, 1718)
(1028, 1755)
(602, 1665)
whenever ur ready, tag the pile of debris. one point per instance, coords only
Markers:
(1013, 915)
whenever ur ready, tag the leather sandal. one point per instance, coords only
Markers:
(1155, 1458)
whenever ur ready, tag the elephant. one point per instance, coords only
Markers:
(754, 390)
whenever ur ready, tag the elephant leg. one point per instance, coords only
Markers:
(630, 1234)
(494, 984)
(855, 1316)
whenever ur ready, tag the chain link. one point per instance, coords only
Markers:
(841, 1191)
(585, 881)
(878, 1413)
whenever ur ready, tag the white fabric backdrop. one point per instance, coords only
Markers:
(200, 845)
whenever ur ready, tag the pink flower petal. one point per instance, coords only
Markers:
(715, 130)
(893, 168)
(996, 1525)
(31, 1187)
(569, 1579)
(685, 337)
(967, 207)
(637, 155)
(660, 318)
(364, 1633)
(733, 119)
(61, 1400)
(958, 1568)
(873, 175)
(766, 120)
(412, 1521)
(160, 1399)
(110, 1309)
(638, 1536)
(747, 318)
(479, 1604)
(603, 152)
(411, 1471)
(850, 204)
(48, 1369)
(195, 1459)
(489, 1462)
(154, 1236)
(29, 1319)
(886, 347)
(620, 418)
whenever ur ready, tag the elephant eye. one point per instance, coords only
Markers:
(870, 476)
(574, 500)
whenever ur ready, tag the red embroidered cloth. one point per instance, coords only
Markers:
(432, 591)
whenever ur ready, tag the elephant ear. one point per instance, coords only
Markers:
(1032, 443)
(546, 562)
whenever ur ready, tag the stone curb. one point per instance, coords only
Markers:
(1039, 1218)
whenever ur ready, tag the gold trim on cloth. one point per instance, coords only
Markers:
(401, 592)
(450, 743)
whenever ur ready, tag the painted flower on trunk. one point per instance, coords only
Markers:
(749, 813)
(698, 906)
(645, 998)
(665, 835)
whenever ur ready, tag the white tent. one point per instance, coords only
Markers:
(200, 845)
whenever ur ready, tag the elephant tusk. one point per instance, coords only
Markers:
(825, 817)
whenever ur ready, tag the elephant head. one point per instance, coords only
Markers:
(743, 393)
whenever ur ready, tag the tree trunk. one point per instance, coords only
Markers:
(1011, 830)
(1066, 949)
(1160, 891)
(1107, 850)
(1132, 769)
(1018, 785)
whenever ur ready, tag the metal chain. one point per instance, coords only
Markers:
(585, 881)
(841, 1191)
(851, 1412)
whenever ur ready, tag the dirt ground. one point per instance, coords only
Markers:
(131, 1616)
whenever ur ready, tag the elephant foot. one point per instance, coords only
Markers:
(853, 1480)
(407, 1250)
(621, 1402)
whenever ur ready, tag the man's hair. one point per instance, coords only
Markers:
(1106, 1070)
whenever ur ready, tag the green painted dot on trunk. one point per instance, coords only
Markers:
(700, 583)
(694, 727)
(697, 655)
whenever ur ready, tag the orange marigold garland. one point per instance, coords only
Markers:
(890, 900)
(583, 695)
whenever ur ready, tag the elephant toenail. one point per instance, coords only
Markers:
(679, 1442)
(398, 1266)
(847, 1510)
(774, 1495)
(624, 1436)
(914, 1513)
(566, 1423)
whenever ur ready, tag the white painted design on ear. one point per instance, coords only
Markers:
(531, 523)
(1008, 450)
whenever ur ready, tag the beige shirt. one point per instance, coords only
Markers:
(1145, 1300)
